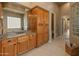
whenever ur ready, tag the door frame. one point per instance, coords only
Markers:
(63, 19)
(50, 34)
(52, 25)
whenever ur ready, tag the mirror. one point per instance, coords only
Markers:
(75, 19)
(15, 18)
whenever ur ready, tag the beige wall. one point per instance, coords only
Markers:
(65, 10)
(52, 8)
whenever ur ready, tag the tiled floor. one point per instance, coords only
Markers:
(54, 48)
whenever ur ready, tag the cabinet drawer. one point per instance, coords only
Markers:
(13, 40)
(22, 38)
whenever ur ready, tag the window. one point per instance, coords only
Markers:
(13, 22)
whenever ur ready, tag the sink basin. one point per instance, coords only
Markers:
(19, 32)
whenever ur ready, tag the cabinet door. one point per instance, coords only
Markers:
(40, 28)
(40, 39)
(0, 48)
(32, 23)
(46, 22)
(23, 44)
(46, 37)
(45, 17)
(10, 49)
(32, 41)
(40, 17)
(46, 29)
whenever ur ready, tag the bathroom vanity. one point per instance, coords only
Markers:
(19, 33)
(18, 44)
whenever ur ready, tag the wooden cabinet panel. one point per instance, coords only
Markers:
(46, 29)
(40, 40)
(40, 28)
(45, 17)
(23, 42)
(32, 23)
(1, 48)
(32, 41)
(42, 24)
(40, 17)
(46, 37)
(10, 50)
(9, 47)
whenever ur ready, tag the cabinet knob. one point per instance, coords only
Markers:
(18, 42)
(14, 44)
(40, 24)
(9, 41)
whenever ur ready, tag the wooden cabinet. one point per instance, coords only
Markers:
(18, 45)
(23, 42)
(32, 41)
(0, 47)
(41, 24)
(9, 47)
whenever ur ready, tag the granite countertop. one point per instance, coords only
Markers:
(13, 34)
